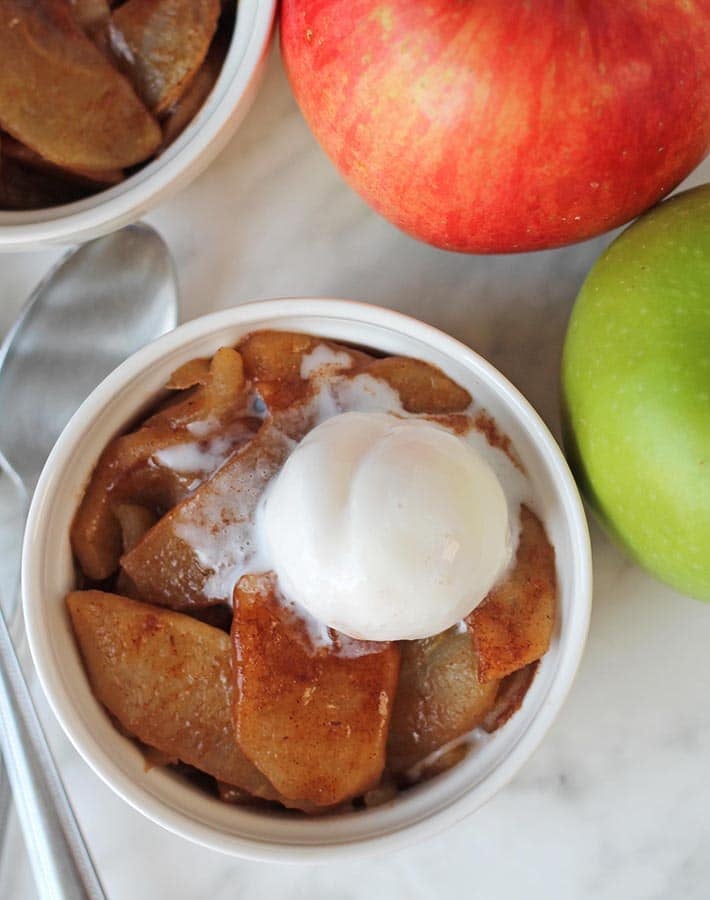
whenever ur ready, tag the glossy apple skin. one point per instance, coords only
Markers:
(636, 386)
(504, 125)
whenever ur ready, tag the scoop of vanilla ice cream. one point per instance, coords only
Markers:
(386, 528)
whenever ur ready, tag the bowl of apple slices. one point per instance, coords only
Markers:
(107, 107)
(306, 578)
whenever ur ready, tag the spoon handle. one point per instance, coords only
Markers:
(61, 861)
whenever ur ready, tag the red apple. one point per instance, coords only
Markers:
(490, 126)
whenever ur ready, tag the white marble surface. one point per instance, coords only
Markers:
(616, 802)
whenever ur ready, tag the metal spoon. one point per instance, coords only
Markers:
(101, 302)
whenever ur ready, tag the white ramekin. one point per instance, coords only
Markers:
(48, 574)
(196, 147)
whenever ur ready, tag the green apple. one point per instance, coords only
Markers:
(636, 388)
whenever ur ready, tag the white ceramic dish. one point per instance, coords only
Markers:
(196, 147)
(165, 798)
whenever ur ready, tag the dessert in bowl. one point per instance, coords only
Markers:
(106, 107)
(381, 522)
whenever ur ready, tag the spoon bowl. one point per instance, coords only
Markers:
(96, 307)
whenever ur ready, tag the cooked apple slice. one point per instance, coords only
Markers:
(174, 451)
(92, 16)
(219, 394)
(272, 362)
(161, 44)
(156, 467)
(513, 626)
(278, 355)
(191, 373)
(196, 553)
(275, 355)
(225, 386)
(13, 149)
(168, 680)
(439, 697)
(62, 98)
(422, 388)
(96, 531)
(510, 696)
(440, 762)
(191, 102)
(313, 719)
(134, 521)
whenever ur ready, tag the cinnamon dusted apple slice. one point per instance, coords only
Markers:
(123, 474)
(313, 719)
(225, 387)
(193, 372)
(195, 554)
(174, 451)
(422, 388)
(161, 44)
(513, 626)
(272, 362)
(156, 467)
(193, 99)
(167, 679)
(510, 696)
(439, 697)
(281, 364)
(91, 15)
(219, 392)
(62, 98)
(13, 149)
(134, 521)
(275, 356)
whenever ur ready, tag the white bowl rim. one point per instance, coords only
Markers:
(571, 648)
(182, 161)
